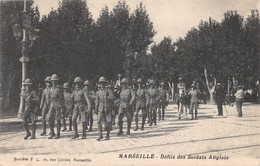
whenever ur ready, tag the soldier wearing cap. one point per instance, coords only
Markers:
(220, 97)
(194, 93)
(104, 100)
(152, 101)
(163, 100)
(127, 98)
(67, 106)
(55, 111)
(80, 100)
(140, 95)
(92, 97)
(45, 103)
(31, 99)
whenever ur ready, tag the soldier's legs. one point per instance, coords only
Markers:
(51, 118)
(64, 120)
(150, 115)
(84, 123)
(180, 110)
(144, 114)
(120, 121)
(129, 115)
(154, 114)
(160, 111)
(33, 117)
(74, 123)
(90, 120)
(191, 109)
(196, 109)
(70, 123)
(163, 111)
(136, 118)
(99, 122)
(44, 113)
(108, 125)
(25, 124)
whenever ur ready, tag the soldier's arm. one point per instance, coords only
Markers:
(132, 97)
(96, 103)
(87, 100)
(43, 99)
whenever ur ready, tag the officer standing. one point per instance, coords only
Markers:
(104, 98)
(80, 100)
(31, 99)
(194, 93)
(92, 97)
(140, 103)
(67, 105)
(220, 98)
(163, 100)
(45, 103)
(152, 100)
(127, 98)
(239, 100)
(55, 111)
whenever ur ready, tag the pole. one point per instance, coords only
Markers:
(24, 60)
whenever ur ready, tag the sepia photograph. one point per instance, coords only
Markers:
(129, 82)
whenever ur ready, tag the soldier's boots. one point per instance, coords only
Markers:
(70, 124)
(143, 121)
(90, 126)
(52, 133)
(33, 131)
(84, 131)
(28, 134)
(120, 128)
(58, 130)
(75, 127)
(128, 127)
(107, 136)
(64, 125)
(136, 125)
(44, 128)
(100, 133)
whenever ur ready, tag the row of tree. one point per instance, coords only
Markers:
(71, 43)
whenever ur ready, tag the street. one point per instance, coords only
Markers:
(227, 136)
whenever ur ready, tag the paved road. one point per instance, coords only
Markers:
(209, 135)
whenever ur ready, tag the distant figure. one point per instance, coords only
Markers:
(194, 93)
(220, 98)
(239, 100)
(204, 97)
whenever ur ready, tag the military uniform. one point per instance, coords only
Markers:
(80, 100)
(104, 101)
(194, 93)
(127, 98)
(152, 101)
(140, 104)
(55, 111)
(67, 106)
(45, 104)
(163, 101)
(30, 110)
(92, 97)
(220, 97)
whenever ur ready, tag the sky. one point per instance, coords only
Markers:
(171, 18)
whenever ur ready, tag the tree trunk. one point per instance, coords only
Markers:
(210, 89)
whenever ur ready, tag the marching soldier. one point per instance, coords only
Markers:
(127, 98)
(92, 97)
(45, 103)
(116, 103)
(163, 100)
(31, 99)
(151, 103)
(140, 103)
(220, 98)
(55, 111)
(104, 98)
(194, 93)
(68, 107)
(80, 100)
